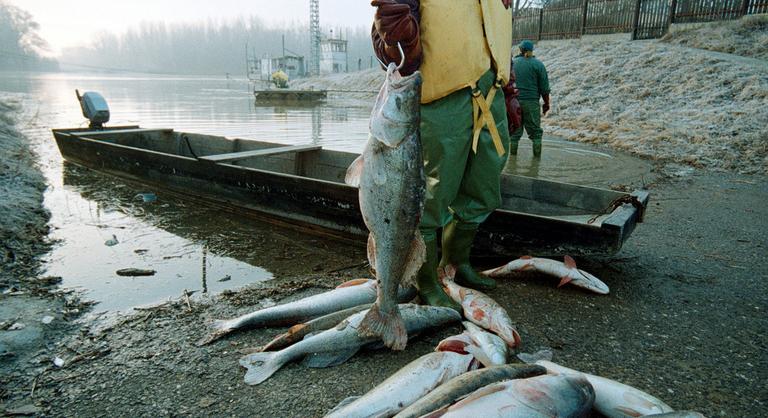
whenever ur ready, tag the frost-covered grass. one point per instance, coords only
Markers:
(23, 223)
(747, 36)
(660, 101)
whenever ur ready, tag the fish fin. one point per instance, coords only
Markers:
(480, 355)
(355, 282)
(416, 258)
(526, 257)
(328, 359)
(564, 281)
(569, 262)
(344, 402)
(260, 366)
(529, 358)
(354, 172)
(371, 251)
(454, 345)
(627, 411)
(389, 326)
(220, 328)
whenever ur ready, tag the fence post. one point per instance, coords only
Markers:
(541, 21)
(744, 7)
(672, 11)
(584, 17)
(636, 19)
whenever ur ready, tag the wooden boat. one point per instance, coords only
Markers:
(290, 96)
(302, 186)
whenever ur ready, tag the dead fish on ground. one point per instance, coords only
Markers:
(481, 309)
(405, 387)
(466, 383)
(349, 294)
(390, 177)
(336, 345)
(297, 332)
(612, 399)
(488, 348)
(535, 397)
(566, 271)
(677, 414)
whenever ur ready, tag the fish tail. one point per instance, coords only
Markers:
(261, 366)
(219, 328)
(388, 325)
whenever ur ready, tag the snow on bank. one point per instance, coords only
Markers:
(657, 100)
(660, 101)
(747, 36)
(23, 224)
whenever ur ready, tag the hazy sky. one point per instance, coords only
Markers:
(67, 23)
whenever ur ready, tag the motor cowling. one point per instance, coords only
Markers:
(94, 107)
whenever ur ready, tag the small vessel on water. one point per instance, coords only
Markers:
(303, 186)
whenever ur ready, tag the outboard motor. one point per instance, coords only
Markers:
(94, 107)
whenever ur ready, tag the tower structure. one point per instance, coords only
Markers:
(314, 37)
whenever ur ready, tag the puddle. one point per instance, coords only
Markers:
(191, 246)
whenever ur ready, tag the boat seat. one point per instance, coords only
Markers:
(234, 156)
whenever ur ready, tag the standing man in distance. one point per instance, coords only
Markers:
(463, 50)
(533, 83)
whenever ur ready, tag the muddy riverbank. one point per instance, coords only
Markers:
(34, 314)
(685, 320)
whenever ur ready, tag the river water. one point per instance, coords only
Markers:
(193, 247)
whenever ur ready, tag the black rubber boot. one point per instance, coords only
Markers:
(430, 290)
(457, 243)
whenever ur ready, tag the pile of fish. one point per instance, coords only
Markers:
(468, 375)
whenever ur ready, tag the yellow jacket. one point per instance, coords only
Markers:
(461, 40)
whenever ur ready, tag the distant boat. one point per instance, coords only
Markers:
(303, 186)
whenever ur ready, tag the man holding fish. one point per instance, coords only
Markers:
(462, 49)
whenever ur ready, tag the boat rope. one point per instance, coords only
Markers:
(632, 200)
(186, 139)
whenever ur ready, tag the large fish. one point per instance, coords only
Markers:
(349, 294)
(297, 332)
(481, 309)
(390, 177)
(535, 397)
(566, 271)
(489, 349)
(405, 387)
(612, 399)
(466, 383)
(336, 345)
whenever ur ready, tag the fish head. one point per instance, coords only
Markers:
(395, 114)
(587, 281)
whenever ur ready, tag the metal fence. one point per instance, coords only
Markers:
(644, 19)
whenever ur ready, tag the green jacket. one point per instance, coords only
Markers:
(531, 77)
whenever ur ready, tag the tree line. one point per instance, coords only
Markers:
(21, 46)
(209, 47)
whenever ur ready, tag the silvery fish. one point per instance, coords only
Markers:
(349, 294)
(466, 383)
(481, 309)
(566, 271)
(535, 397)
(405, 387)
(336, 345)
(612, 399)
(297, 332)
(390, 177)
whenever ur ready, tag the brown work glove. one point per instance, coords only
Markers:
(396, 21)
(514, 112)
(545, 106)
